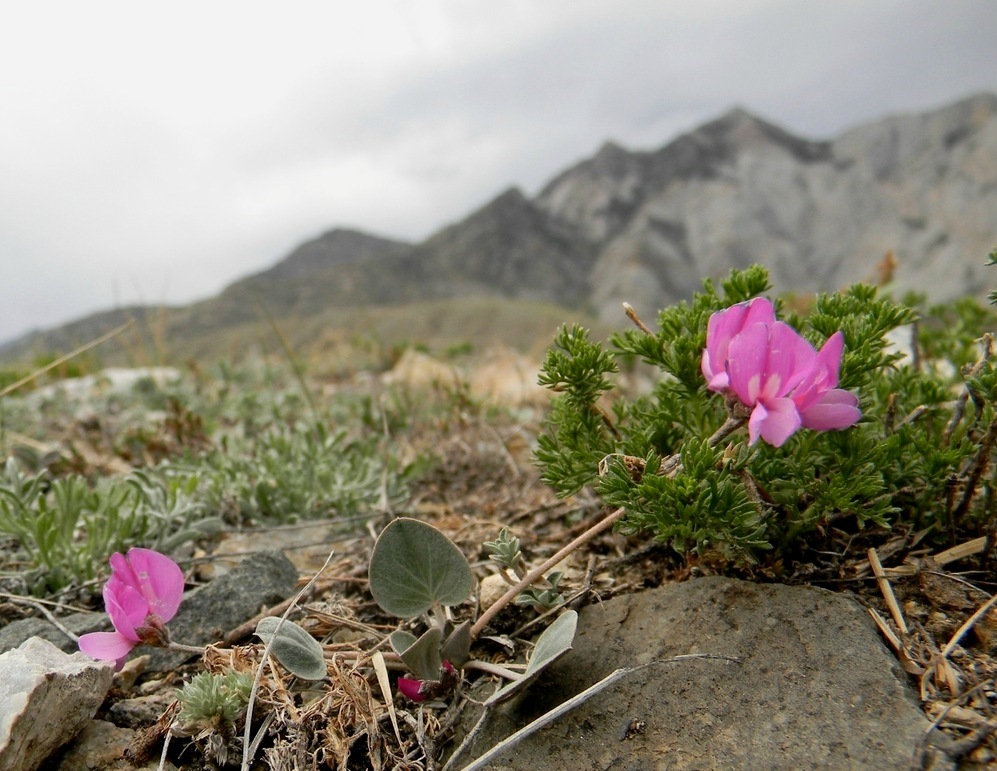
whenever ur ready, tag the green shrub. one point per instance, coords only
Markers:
(917, 459)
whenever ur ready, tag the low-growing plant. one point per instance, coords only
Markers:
(212, 702)
(293, 472)
(677, 465)
(65, 528)
(415, 571)
(504, 551)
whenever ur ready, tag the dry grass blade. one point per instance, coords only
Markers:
(967, 625)
(887, 590)
(377, 661)
(884, 629)
(967, 549)
(246, 744)
(63, 359)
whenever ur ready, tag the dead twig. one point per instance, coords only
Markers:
(632, 315)
(967, 625)
(887, 591)
(604, 524)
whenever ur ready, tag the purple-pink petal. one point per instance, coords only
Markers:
(829, 357)
(722, 327)
(126, 607)
(823, 375)
(106, 646)
(160, 580)
(410, 688)
(835, 409)
(774, 420)
(773, 370)
(145, 588)
(747, 362)
(790, 356)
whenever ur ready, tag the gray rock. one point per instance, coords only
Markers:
(207, 613)
(815, 686)
(103, 746)
(141, 711)
(46, 698)
(17, 632)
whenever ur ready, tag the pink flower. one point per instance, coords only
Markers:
(822, 406)
(141, 596)
(772, 370)
(410, 688)
(722, 328)
(420, 690)
(765, 362)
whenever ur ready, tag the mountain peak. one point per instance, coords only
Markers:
(648, 226)
(738, 129)
(336, 247)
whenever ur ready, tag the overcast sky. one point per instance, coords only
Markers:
(155, 152)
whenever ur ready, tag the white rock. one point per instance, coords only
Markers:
(46, 697)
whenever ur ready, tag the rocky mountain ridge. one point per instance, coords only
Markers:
(648, 226)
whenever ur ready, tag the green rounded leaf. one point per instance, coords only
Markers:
(551, 645)
(457, 648)
(401, 640)
(423, 656)
(293, 647)
(414, 566)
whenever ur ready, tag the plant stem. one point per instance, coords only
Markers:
(537, 572)
(185, 648)
(672, 465)
(730, 425)
(492, 669)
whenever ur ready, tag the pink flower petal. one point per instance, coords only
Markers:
(722, 327)
(105, 646)
(774, 420)
(747, 362)
(823, 375)
(830, 357)
(836, 409)
(410, 688)
(159, 579)
(126, 607)
(715, 381)
(791, 357)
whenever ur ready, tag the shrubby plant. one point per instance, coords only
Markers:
(684, 470)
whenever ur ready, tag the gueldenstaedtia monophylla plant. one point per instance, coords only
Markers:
(766, 431)
(416, 571)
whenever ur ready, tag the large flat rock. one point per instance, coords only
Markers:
(46, 697)
(814, 686)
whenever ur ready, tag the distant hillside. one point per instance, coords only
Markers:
(647, 227)
(818, 215)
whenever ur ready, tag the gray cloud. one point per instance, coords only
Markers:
(156, 157)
